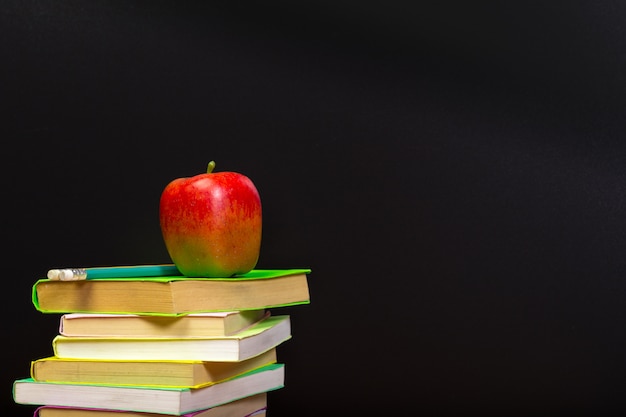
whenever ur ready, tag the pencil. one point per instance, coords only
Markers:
(73, 274)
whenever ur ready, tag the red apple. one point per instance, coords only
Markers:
(211, 223)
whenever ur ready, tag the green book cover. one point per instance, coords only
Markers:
(165, 400)
(254, 275)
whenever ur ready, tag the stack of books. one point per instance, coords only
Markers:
(164, 345)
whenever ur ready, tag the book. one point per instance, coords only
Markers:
(190, 325)
(172, 401)
(176, 374)
(173, 295)
(253, 405)
(48, 411)
(248, 343)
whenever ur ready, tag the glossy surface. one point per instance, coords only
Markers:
(211, 224)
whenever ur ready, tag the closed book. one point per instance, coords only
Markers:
(254, 406)
(253, 341)
(172, 401)
(180, 374)
(173, 295)
(190, 325)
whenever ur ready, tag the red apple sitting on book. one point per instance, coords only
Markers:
(211, 223)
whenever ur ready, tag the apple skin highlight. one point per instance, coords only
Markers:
(211, 224)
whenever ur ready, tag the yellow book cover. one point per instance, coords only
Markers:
(253, 341)
(174, 374)
(137, 398)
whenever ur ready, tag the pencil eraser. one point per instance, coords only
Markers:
(54, 274)
(66, 275)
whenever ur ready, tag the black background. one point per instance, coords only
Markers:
(452, 172)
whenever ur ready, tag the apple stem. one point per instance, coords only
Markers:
(211, 167)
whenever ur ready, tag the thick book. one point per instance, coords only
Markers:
(173, 295)
(172, 401)
(176, 374)
(190, 325)
(253, 341)
(254, 406)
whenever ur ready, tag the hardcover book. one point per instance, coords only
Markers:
(172, 401)
(133, 325)
(252, 406)
(253, 341)
(173, 295)
(176, 374)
